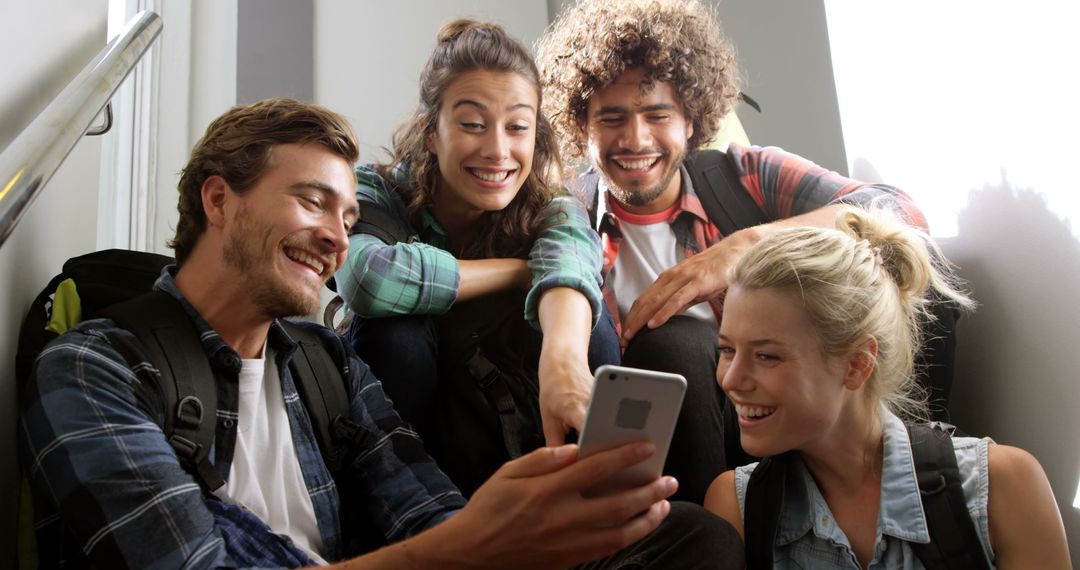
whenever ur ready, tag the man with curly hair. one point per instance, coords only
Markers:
(638, 87)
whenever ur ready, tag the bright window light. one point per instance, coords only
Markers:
(942, 98)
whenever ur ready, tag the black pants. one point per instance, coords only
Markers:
(690, 537)
(433, 391)
(706, 440)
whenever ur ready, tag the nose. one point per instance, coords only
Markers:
(496, 145)
(336, 241)
(636, 134)
(333, 236)
(732, 373)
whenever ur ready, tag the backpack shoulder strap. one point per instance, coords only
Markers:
(318, 379)
(381, 223)
(729, 207)
(376, 221)
(764, 503)
(586, 188)
(173, 346)
(954, 543)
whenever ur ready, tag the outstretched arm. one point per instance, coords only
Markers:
(565, 381)
(481, 277)
(531, 514)
(1025, 525)
(791, 191)
(704, 276)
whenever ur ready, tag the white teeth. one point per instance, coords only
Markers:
(753, 411)
(637, 164)
(491, 176)
(306, 259)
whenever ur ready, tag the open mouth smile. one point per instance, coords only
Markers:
(640, 164)
(495, 176)
(753, 413)
(322, 267)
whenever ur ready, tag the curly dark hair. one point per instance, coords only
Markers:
(237, 147)
(676, 41)
(463, 46)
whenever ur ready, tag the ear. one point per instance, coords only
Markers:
(861, 363)
(689, 129)
(429, 138)
(215, 194)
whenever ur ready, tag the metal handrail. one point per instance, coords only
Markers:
(35, 155)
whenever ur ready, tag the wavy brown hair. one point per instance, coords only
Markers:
(237, 147)
(676, 41)
(464, 46)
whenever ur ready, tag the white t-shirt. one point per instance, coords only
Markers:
(648, 247)
(265, 477)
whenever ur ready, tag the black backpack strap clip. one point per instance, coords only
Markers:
(490, 381)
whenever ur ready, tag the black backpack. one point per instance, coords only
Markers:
(488, 396)
(730, 208)
(117, 284)
(954, 542)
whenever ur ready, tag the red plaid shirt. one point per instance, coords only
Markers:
(782, 184)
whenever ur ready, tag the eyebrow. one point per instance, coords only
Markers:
(326, 190)
(757, 342)
(484, 107)
(613, 109)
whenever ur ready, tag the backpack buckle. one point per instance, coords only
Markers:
(184, 447)
(481, 369)
(189, 412)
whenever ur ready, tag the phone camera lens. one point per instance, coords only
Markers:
(611, 376)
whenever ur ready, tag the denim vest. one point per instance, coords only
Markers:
(809, 537)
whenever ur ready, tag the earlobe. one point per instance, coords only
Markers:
(215, 193)
(861, 363)
(429, 138)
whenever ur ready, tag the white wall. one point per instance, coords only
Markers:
(368, 55)
(782, 48)
(44, 45)
(974, 112)
(197, 84)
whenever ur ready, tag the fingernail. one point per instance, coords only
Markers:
(563, 451)
(644, 450)
(670, 485)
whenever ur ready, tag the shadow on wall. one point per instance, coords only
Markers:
(1016, 368)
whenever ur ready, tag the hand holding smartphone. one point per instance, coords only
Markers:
(630, 405)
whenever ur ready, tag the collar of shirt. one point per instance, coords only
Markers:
(900, 514)
(220, 353)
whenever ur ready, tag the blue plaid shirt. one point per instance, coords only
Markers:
(107, 484)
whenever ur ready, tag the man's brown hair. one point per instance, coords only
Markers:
(676, 41)
(237, 147)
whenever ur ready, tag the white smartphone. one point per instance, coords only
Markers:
(628, 405)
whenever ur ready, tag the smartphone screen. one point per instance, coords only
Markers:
(628, 405)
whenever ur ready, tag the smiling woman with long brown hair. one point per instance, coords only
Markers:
(494, 245)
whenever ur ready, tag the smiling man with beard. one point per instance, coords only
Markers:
(638, 87)
(266, 203)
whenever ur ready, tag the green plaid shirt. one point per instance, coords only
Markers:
(421, 278)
